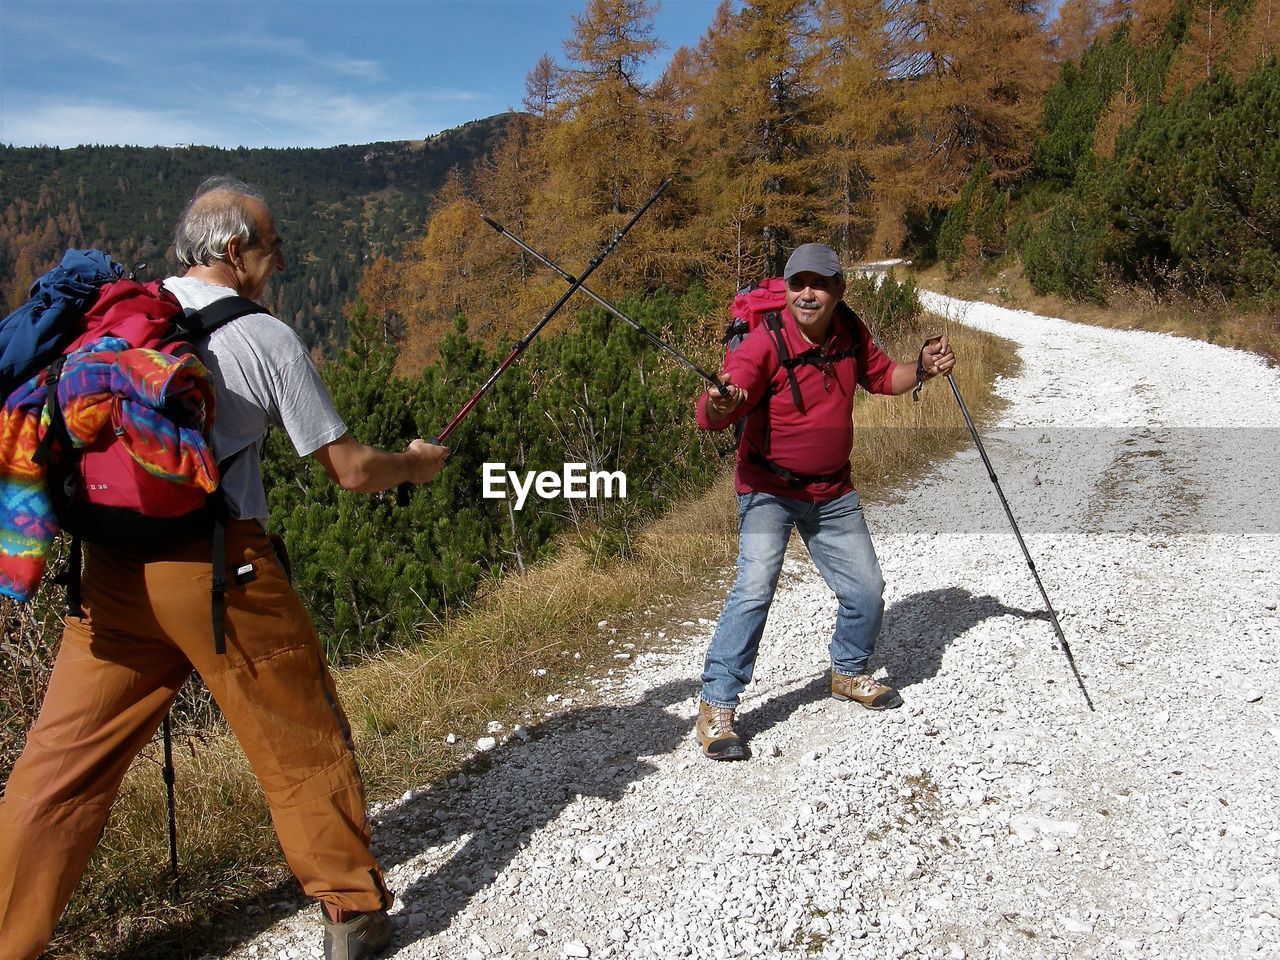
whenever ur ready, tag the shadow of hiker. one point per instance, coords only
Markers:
(511, 793)
(917, 630)
(490, 810)
(594, 752)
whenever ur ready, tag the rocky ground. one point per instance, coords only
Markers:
(995, 815)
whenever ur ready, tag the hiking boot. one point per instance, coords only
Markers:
(866, 690)
(354, 936)
(716, 734)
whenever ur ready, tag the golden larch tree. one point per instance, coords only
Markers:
(978, 71)
(852, 123)
(1256, 39)
(1203, 51)
(753, 183)
(602, 138)
(1076, 26)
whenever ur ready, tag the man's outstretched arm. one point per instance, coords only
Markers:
(354, 466)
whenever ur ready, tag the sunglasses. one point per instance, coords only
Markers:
(818, 282)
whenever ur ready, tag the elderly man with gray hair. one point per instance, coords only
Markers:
(794, 388)
(145, 627)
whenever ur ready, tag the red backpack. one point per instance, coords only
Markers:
(145, 479)
(102, 493)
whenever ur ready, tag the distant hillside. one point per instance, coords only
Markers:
(337, 208)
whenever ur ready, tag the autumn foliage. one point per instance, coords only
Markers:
(790, 120)
(965, 130)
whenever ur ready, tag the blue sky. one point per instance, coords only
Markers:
(278, 72)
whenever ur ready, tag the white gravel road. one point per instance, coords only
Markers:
(994, 815)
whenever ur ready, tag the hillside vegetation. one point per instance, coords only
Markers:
(1132, 144)
(338, 208)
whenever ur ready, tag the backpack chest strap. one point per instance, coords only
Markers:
(818, 359)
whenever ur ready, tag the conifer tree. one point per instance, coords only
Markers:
(1118, 116)
(542, 88)
(1203, 50)
(980, 69)
(755, 189)
(1151, 18)
(1075, 28)
(850, 60)
(437, 282)
(508, 188)
(602, 137)
(1256, 39)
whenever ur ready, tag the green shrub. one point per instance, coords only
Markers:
(371, 569)
(1064, 252)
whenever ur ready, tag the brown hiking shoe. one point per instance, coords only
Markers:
(866, 690)
(716, 734)
(354, 936)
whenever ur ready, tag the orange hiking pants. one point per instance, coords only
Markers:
(146, 626)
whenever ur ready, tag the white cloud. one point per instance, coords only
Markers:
(300, 51)
(276, 116)
(63, 124)
(314, 116)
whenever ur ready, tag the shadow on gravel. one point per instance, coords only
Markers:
(776, 710)
(514, 792)
(919, 628)
(507, 796)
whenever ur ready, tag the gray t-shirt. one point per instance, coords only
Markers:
(263, 377)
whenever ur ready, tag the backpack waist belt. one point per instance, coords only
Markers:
(792, 478)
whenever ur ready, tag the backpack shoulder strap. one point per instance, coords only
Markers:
(203, 322)
(854, 323)
(858, 337)
(773, 321)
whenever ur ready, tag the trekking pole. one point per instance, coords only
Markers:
(635, 325)
(169, 778)
(1053, 616)
(521, 345)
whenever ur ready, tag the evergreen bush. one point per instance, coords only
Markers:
(372, 571)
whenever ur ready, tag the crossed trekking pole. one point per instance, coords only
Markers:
(575, 284)
(635, 325)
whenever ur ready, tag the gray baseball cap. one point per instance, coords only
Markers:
(813, 258)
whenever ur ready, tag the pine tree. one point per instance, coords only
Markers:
(1195, 198)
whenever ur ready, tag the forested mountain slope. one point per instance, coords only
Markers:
(337, 207)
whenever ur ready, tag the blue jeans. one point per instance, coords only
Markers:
(840, 545)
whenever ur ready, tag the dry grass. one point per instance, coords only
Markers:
(1204, 315)
(484, 663)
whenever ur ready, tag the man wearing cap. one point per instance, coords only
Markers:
(793, 471)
